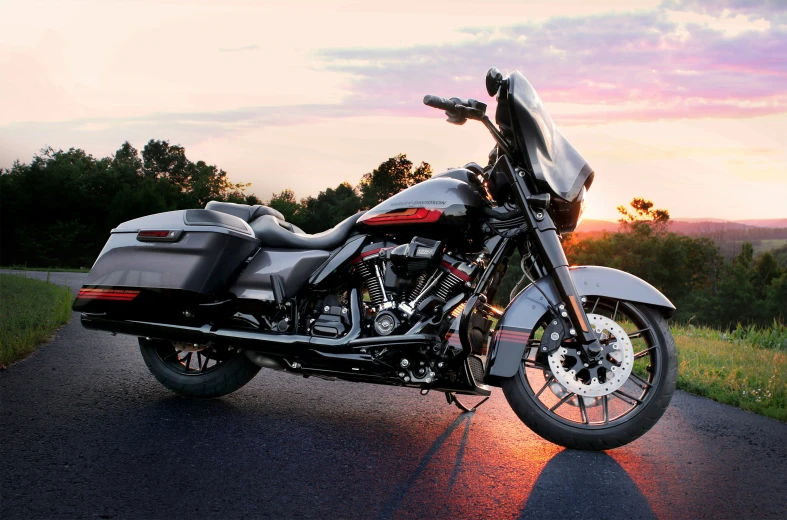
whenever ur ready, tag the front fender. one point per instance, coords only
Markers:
(524, 313)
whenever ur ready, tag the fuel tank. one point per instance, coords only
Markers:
(442, 208)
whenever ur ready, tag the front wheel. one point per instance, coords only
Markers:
(197, 371)
(597, 406)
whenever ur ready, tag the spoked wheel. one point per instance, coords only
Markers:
(581, 404)
(197, 370)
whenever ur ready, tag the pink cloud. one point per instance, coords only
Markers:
(676, 70)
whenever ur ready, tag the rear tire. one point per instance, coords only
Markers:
(216, 372)
(532, 396)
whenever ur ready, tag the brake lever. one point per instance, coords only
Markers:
(462, 112)
(456, 116)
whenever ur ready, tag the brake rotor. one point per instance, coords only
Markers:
(595, 378)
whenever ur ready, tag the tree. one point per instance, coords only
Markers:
(391, 177)
(207, 182)
(160, 159)
(59, 209)
(285, 203)
(780, 255)
(327, 209)
(126, 160)
(643, 214)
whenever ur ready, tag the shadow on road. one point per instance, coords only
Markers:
(572, 484)
(403, 489)
(585, 484)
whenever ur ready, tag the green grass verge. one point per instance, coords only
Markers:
(30, 312)
(738, 372)
(50, 269)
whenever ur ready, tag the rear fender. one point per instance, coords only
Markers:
(523, 315)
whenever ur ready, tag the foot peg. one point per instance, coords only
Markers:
(452, 399)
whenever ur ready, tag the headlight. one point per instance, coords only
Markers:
(581, 205)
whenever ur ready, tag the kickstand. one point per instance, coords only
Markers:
(452, 399)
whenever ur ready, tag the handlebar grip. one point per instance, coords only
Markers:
(438, 102)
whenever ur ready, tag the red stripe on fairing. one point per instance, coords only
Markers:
(508, 339)
(513, 332)
(419, 216)
(512, 336)
(453, 339)
(456, 272)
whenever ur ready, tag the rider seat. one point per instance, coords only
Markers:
(243, 211)
(274, 232)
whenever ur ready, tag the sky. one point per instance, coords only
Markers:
(680, 102)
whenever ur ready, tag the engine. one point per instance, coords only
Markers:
(411, 282)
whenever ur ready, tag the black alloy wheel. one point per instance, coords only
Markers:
(197, 371)
(596, 405)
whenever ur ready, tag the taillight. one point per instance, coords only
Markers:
(159, 235)
(120, 295)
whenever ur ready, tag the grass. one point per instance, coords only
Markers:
(772, 337)
(48, 269)
(746, 368)
(30, 312)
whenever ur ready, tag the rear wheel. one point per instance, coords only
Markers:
(195, 370)
(598, 406)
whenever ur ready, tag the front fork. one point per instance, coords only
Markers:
(571, 307)
(544, 232)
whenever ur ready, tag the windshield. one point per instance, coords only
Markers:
(554, 161)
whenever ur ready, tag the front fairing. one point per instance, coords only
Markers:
(556, 164)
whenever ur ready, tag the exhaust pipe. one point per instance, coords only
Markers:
(263, 360)
(263, 342)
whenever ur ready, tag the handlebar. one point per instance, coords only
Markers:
(438, 102)
(460, 110)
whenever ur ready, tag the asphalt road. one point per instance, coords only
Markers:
(86, 432)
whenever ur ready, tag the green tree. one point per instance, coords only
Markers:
(285, 204)
(780, 255)
(776, 298)
(391, 177)
(327, 209)
(58, 210)
(643, 214)
(160, 159)
(207, 182)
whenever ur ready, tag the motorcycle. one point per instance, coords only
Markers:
(402, 294)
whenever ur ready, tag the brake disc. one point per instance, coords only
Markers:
(595, 379)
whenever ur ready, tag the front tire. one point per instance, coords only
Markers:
(204, 374)
(591, 421)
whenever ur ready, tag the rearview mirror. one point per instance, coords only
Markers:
(494, 78)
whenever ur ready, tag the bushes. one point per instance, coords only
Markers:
(59, 209)
(693, 274)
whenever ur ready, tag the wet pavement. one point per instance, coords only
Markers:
(86, 432)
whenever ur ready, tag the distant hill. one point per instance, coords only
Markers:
(594, 226)
(763, 234)
(770, 222)
(691, 226)
(704, 227)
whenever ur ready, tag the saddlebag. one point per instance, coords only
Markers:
(168, 263)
